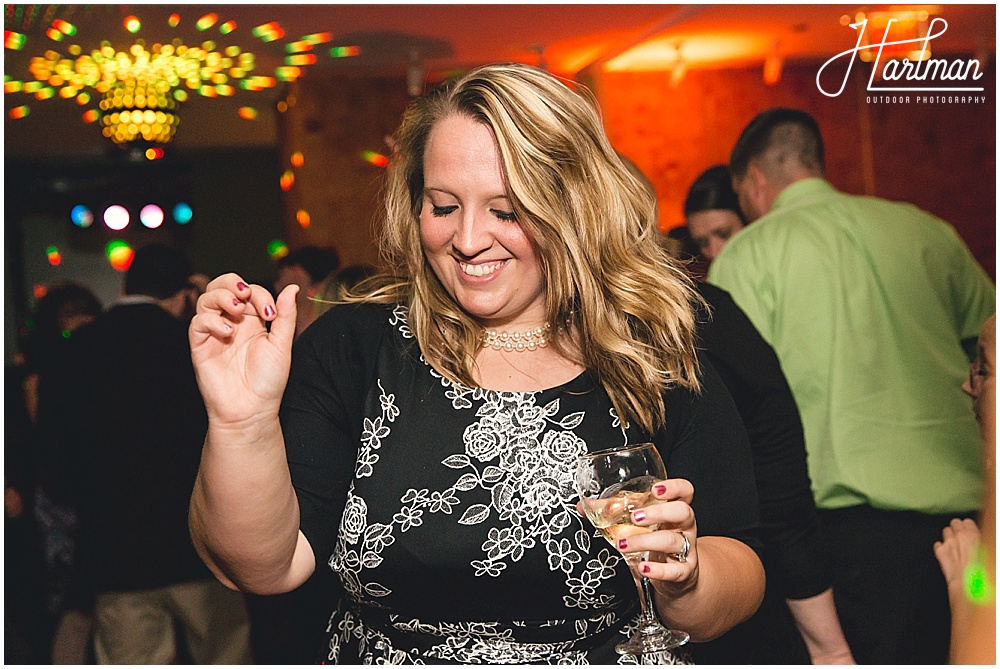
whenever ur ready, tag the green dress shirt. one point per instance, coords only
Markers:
(866, 303)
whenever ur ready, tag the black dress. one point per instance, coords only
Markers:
(449, 514)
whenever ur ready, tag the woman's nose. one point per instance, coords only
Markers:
(714, 246)
(472, 235)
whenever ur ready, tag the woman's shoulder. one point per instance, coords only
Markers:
(352, 337)
(711, 398)
(362, 321)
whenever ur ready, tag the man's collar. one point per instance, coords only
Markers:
(801, 190)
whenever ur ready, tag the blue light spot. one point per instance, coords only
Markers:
(81, 216)
(182, 213)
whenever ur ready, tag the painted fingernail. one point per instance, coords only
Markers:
(660, 489)
(227, 327)
(622, 544)
(236, 302)
(241, 286)
(268, 311)
(639, 516)
(645, 569)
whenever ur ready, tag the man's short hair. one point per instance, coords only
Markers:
(159, 271)
(318, 262)
(793, 131)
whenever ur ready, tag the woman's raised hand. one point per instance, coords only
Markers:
(241, 363)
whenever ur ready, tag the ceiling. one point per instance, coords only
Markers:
(434, 40)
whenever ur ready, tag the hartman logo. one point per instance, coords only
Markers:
(902, 75)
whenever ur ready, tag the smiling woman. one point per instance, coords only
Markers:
(406, 447)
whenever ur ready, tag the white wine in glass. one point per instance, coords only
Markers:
(612, 484)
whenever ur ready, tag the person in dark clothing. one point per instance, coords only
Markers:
(134, 428)
(25, 623)
(796, 623)
(63, 309)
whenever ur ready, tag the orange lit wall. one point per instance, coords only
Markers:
(332, 121)
(941, 157)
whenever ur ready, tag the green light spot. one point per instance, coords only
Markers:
(113, 246)
(978, 588)
(277, 249)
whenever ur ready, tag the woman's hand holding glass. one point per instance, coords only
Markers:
(625, 493)
(672, 544)
(242, 363)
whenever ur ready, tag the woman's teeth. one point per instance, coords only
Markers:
(480, 270)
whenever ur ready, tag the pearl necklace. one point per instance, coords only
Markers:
(517, 342)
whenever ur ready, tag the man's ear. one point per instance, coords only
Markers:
(756, 181)
(757, 191)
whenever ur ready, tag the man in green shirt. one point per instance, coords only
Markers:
(871, 307)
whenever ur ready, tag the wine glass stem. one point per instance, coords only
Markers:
(646, 599)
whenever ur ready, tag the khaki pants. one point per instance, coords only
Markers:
(138, 627)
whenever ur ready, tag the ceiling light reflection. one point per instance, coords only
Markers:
(661, 53)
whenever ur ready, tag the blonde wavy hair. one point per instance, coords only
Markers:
(627, 304)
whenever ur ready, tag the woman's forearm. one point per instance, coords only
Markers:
(816, 618)
(244, 514)
(729, 590)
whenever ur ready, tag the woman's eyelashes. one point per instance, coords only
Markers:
(504, 215)
(442, 211)
(450, 209)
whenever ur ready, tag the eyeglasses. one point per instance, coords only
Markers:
(976, 372)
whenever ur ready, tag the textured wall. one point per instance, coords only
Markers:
(332, 121)
(941, 157)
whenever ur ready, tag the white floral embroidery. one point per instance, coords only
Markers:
(355, 518)
(470, 643)
(388, 402)
(409, 517)
(359, 545)
(374, 432)
(398, 319)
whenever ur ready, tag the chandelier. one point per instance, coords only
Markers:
(136, 110)
(138, 90)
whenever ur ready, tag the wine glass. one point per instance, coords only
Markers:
(612, 484)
